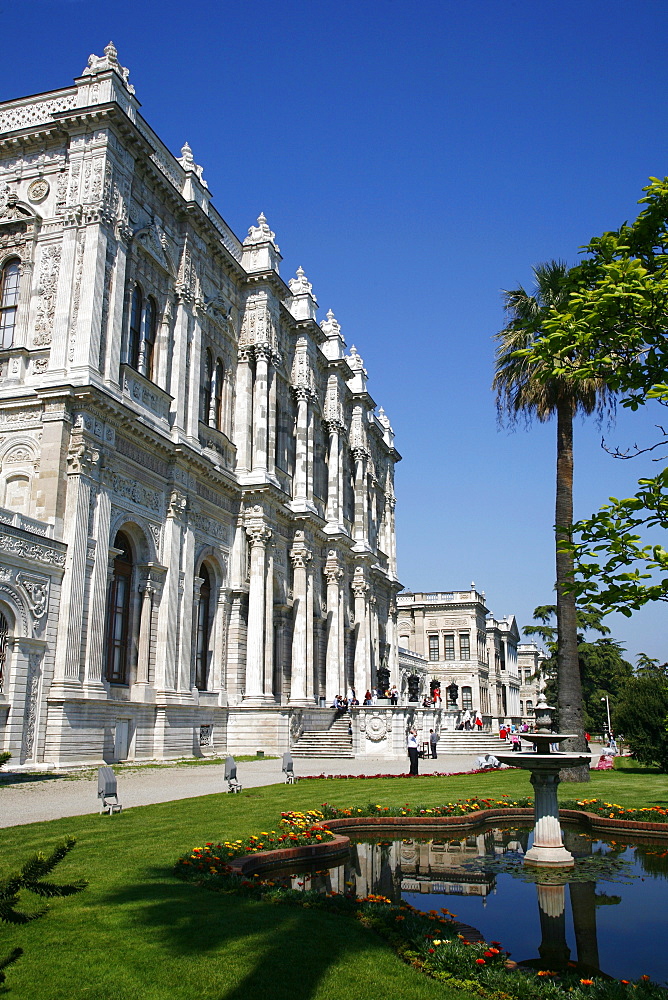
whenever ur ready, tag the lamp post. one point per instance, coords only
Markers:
(607, 705)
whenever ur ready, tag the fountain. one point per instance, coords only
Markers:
(545, 763)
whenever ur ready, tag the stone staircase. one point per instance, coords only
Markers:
(471, 743)
(332, 742)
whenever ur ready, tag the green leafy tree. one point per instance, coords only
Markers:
(640, 715)
(32, 878)
(603, 669)
(524, 389)
(613, 327)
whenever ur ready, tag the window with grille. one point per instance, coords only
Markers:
(464, 646)
(467, 698)
(9, 300)
(118, 614)
(449, 647)
(203, 630)
(4, 632)
(142, 333)
(433, 647)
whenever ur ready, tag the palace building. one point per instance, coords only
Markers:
(197, 540)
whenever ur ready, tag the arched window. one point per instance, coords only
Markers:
(467, 698)
(147, 351)
(203, 630)
(134, 339)
(218, 396)
(142, 333)
(9, 299)
(205, 387)
(118, 613)
(4, 632)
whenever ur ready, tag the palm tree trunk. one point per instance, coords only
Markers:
(568, 666)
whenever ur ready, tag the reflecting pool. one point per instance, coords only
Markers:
(608, 914)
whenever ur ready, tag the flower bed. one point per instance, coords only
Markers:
(611, 810)
(426, 774)
(299, 830)
(433, 943)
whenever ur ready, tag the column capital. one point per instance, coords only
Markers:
(258, 534)
(333, 570)
(263, 352)
(334, 425)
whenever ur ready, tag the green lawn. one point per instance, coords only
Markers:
(137, 933)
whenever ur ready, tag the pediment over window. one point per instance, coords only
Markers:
(15, 211)
(157, 245)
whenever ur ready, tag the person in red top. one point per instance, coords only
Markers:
(503, 732)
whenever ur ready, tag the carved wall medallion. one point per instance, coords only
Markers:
(38, 190)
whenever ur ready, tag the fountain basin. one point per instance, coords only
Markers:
(548, 847)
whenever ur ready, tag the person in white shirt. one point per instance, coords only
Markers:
(412, 747)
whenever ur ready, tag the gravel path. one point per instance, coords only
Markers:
(37, 797)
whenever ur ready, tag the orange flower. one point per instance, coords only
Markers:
(480, 961)
(586, 982)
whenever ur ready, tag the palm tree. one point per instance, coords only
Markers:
(521, 392)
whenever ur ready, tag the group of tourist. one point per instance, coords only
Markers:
(370, 698)
(470, 722)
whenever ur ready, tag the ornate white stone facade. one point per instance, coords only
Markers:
(196, 489)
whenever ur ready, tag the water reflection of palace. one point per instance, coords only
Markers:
(390, 868)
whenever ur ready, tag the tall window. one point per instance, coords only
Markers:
(529, 706)
(141, 338)
(219, 375)
(433, 647)
(467, 698)
(146, 354)
(118, 613)
(205, 388)
(203, 629)
(449, 647)
(464, 646)
(134, 340)
(4, 632)
(9, 299)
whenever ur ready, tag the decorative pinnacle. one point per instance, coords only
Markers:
(300, 284)
(187, 153)
(98, 64)
(261, 233)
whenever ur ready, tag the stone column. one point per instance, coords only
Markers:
(218, 671)
(146, 614)
(548, 847)
(168, 614)
(333, 514)
(99, 589)
(258, 536)
(81, 459)
(184, 652)
(271, 415)
(300, 489)
(300, 556)
(362, 666)
(334, 682)
(360, 528)
(260, 408)
(244, 409)
(268, 685)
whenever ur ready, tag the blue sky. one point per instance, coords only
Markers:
(415, 159)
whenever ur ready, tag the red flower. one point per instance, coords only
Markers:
(480, 961)
(431, 951)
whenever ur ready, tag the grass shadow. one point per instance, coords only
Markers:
(276, 950)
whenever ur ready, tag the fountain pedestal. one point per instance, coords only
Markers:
(548, 847)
